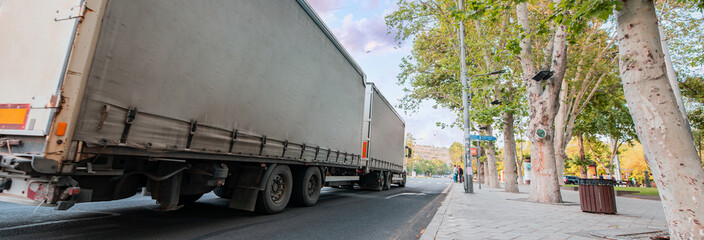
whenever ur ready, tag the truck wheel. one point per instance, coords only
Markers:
(403, 182)
(222, 192)
(306, 187)
(372, 181)
(277, 191)
(188, 199)
(387, 182)
(382, 180)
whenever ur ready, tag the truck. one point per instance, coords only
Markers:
(256, 101)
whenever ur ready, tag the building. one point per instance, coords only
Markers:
(430, 153)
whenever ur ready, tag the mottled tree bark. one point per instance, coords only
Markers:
(560, 124)
(543, 102)
(519, 166)
(667, 141)
(492, 172)
(582, 156)
(511, 184)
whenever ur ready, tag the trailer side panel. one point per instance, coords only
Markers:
(250, 77)
(387, 132)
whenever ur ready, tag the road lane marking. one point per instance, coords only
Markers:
(406, 194)
(109, 214)
(447, 189)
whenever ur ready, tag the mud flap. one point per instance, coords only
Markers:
(249, 182)
(370, 181)
(167, 192)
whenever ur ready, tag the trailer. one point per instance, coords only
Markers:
(383, 137)
(254, 100)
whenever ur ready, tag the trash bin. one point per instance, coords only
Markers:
(597, 195)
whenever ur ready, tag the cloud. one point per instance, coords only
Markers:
(370, 4)
(326, 9)
(422, 125)
(367, 35)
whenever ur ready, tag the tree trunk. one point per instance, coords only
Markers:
(509, 154)
(667, 142)
(543, 102)
(519, 166)
(582, 171)
(483, 167)
(615, 161)
(492, 172)
(560, 134)
(701, 155)
(582, 156)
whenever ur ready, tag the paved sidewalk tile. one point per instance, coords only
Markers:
(491, 213)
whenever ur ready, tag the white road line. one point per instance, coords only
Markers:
(403, 194)
(109, 214)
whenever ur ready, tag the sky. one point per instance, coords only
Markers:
(360, 26)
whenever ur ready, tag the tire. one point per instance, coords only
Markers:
(372, 181)
(188, 199)
(306, 187)
(382, 180)
(222, 192)
(403, 182)
(387, 182)
(277, 191)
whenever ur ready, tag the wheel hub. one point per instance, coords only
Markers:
(311, 186)
(278, 188)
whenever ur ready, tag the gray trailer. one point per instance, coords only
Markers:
(383, 137)
(255, 100)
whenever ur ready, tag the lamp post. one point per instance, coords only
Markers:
(468, 184)
(466, 85)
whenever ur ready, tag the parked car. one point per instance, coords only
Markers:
(571, 179)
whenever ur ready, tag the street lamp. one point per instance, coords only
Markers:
(543, 75)
(466, 84)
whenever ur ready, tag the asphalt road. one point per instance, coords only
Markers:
(398, 213)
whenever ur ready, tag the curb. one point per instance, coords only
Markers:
(432, 229)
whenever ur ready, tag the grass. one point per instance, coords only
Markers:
(639, 190)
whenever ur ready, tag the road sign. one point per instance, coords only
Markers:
(473, 151)
(482, 138)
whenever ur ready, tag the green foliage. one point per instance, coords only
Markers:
(607, 114)
(428, 167)
(456, 153)
(432, 69)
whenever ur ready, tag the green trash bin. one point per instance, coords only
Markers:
(597, 195)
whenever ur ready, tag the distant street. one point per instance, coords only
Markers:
(399, 213)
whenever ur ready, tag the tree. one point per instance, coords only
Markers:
(606, 116)
(510, 168)
(585, 74)
(683, 28)
(432, 68)
(659, 121)
(456, 152)
(661, 128)
(543, 96)
(693, 91)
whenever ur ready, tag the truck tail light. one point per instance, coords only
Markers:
(40, 191)
(61, 129)
(364, 149)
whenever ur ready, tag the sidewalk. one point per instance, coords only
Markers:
(491, 213)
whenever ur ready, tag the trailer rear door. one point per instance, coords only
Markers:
(36, 38)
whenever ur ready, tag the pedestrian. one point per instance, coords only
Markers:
(460, 172)
(454, 172)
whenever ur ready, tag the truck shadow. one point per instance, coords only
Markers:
(139, 218)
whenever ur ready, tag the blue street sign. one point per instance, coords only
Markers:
(482, 138)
